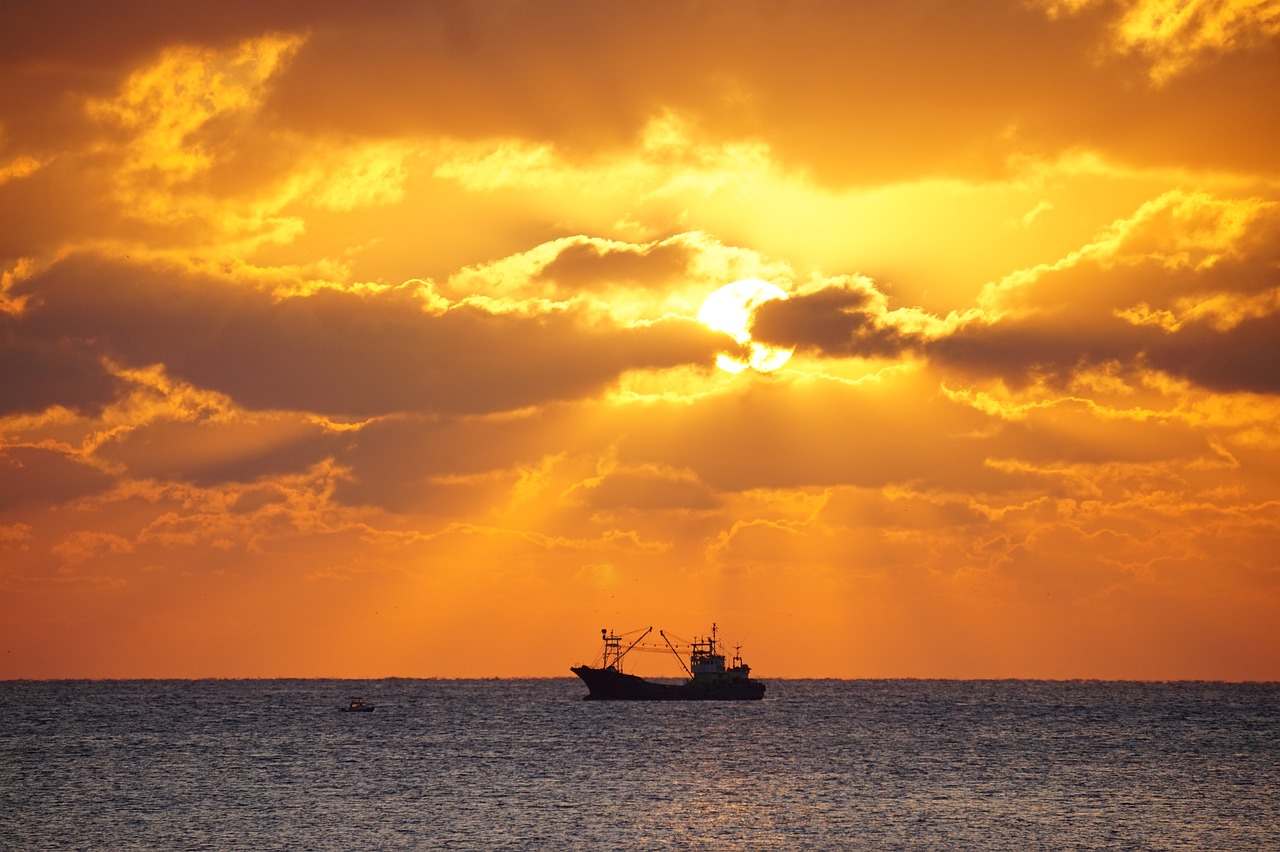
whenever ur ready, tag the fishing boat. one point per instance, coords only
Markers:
(710, 679)
(358, 705)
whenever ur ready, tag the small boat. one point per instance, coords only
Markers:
(709, 678)
(358, 705)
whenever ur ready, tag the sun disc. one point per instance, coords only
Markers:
(730, 310)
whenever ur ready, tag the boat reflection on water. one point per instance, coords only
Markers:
(710, 679)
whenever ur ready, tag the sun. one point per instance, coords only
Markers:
(730, 310)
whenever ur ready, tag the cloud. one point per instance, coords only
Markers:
(395, 69)
(178, 158)
(447, 466)
(165, 107)
(1175, 36)
(645, 487)
(41, 373)
(33, 475)
(589, 265)
(85, 545)
(318, 313)
(1179, 36)
(19, 168)
(1243, 358)
(1185, 285)
(608, 272)
(334, 352)
(843, 318)
(205, 453)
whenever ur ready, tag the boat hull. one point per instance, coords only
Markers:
(612, 685)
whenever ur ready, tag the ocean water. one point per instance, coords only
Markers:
(526, 764)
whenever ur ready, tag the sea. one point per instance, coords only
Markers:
(527, 764)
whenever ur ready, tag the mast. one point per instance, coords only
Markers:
(610, 644)
(613, 643)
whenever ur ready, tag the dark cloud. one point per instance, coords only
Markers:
(1071, 432)
(1243, 358)
(39, 211)
(39, 374)
(336, 352)
(208, 453)
(837, 321)
(39, 476)
(1020, 352)
(438, 464)
(592, 266)
(1204, 267)
(1177, 250)
(647, 490)
(1201, 266)
(480, 70)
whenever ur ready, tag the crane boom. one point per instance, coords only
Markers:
(674, 651)
(618, 659)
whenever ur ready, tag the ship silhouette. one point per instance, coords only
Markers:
(710, 679)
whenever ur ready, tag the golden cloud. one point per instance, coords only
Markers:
(1175, 36)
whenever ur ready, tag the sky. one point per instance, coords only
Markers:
(362, 340)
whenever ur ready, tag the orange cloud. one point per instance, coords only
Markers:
(385, 315)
